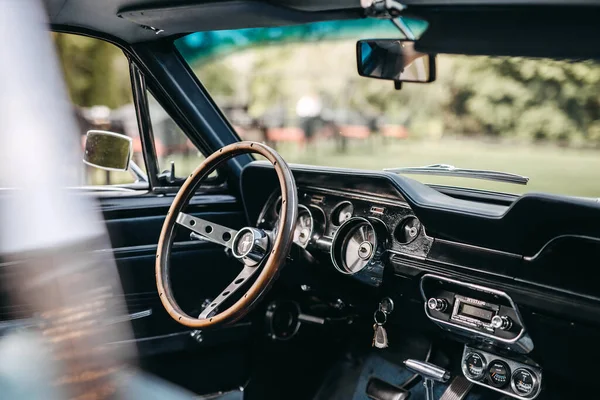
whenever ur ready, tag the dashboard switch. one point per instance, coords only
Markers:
(501, 322)
(440, 305)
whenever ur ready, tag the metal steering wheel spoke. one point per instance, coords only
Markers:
(209, 230)
(238, 282)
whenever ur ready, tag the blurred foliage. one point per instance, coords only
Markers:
(96, 72)
(497, 97)
(529, 98)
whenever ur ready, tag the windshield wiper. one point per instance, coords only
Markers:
(450, 170)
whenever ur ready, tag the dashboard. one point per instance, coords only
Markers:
(494, 272)
(356, 230)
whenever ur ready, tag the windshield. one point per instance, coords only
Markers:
(297, 89)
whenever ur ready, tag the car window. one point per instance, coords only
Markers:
(99, 86)
(172, 145)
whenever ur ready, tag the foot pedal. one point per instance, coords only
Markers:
(381, 390)
(458, 389)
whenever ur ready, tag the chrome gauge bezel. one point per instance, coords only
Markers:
(301, 209)
(465, 369)
(336, 210)
(340, 239)
(534, 388)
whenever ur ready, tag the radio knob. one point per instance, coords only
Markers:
(437, 304)
(501, 322)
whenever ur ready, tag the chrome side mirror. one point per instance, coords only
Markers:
(108, 150)
(111, 151)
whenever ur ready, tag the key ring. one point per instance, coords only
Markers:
(380, 317)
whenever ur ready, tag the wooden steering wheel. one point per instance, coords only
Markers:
(256, 249)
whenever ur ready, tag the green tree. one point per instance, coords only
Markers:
(96, 72)
(530, 98)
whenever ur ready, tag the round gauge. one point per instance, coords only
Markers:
(498, 373)
(342, 213)
(304, 227)
(354, 245)
(407, 230)
(524, 382)
(474, 365)
(358, 248)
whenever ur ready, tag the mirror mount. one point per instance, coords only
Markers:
(382, 8)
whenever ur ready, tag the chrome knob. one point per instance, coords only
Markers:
(501, 322)
(437, 304)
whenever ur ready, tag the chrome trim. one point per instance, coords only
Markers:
(478, 288)
(513, 365)
(358, 196)
(212, 232)
(131, 317)
(335, 210)
(560, 237)
(427, 370)
(238, 282)
(257, 246)
(464, 369)
(451, 170)
(312, 225)
(336, 237)
(536, 383)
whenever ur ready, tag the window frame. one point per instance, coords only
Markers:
(140, 87)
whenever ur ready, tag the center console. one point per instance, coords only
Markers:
(486, 319)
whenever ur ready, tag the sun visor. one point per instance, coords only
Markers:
(226, 15)
(555, 32)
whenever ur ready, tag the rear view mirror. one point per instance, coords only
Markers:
(395, 60)
(108, 150)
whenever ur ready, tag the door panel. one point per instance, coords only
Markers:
(200, 270)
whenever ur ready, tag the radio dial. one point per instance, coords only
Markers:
(437, 304)
(501, 322)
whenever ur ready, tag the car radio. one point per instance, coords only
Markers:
(481, 313)
(473, 312)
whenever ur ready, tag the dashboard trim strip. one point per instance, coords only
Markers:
(358, 196)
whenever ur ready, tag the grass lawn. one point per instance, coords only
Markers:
(550, 168)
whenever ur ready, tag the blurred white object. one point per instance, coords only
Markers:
(309, 106)
(50, 232)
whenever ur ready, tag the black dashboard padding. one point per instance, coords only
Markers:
(523, 228)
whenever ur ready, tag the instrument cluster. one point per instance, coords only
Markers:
(356, 230)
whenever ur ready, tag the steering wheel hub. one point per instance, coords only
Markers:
(250, 245)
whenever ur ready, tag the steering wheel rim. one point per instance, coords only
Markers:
(273, 259)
